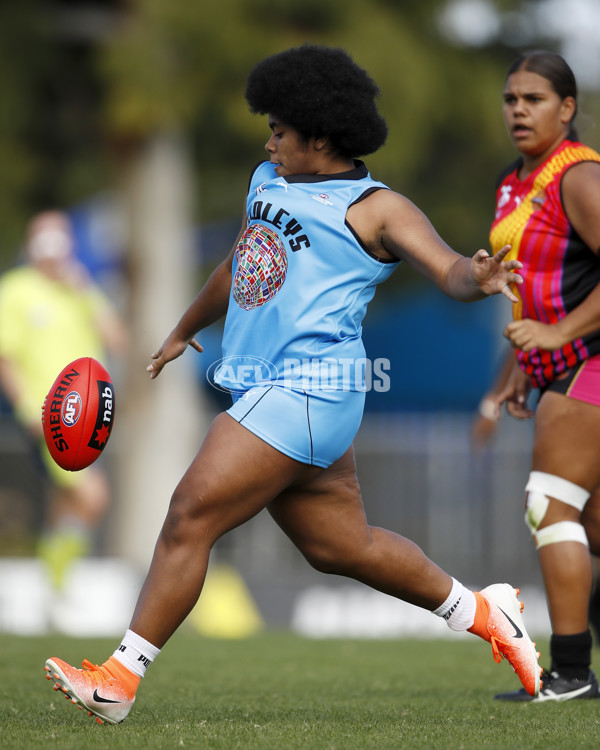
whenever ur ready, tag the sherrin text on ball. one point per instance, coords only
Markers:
(78, 414)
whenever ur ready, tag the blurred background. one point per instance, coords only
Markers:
(130, 115)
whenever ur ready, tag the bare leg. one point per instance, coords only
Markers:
(567, 572)
(566, 440)
(321, 511)
(233, 477)
(324, 516)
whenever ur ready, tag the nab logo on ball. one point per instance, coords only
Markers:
(78, 414)
(104, 416)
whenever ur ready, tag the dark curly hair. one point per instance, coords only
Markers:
(322, 93)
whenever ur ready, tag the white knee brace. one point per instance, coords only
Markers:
(539, 488)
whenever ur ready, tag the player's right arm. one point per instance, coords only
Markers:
(209, 306)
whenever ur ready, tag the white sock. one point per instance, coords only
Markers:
(459, 608)
(136, 653)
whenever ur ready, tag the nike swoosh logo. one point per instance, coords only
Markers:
(518, 633)
(100, 699)
(552, 696)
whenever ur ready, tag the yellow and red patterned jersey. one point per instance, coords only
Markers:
(559, 269)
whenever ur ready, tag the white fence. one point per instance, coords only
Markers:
(419, 477)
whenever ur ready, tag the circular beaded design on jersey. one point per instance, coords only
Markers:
(262, 267)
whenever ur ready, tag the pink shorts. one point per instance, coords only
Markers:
(581, 383)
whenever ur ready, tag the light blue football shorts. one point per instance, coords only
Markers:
(313, 427)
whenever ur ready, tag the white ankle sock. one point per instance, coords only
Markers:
(136, 653)
(459, 608)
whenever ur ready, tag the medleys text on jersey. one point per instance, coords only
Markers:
(283, 220)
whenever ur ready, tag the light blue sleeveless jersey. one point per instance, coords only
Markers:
(301, 285)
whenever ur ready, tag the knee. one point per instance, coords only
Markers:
(331, 559)
(320, 560)
(553, 509)
(186, 518)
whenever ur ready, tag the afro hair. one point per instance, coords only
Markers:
(322, 93)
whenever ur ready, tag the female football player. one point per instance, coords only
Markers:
(318, 234)
(547, 209)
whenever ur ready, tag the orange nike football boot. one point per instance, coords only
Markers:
(106, 691)
(498, 620)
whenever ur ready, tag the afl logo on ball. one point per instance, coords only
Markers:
(71, 409)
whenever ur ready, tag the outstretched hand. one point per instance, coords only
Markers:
(173, 347)
(494, 275)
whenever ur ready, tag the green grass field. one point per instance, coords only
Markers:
(280, 691)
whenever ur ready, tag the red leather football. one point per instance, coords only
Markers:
(78, 414)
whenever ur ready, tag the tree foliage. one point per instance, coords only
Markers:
(78, 105)
(171, 66)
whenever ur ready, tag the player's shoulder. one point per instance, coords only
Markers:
(380, 210)
(262, 171)
(383, 199)
(583, 169)
(581, 181)
(18, 280)
(21, 271)
(581, 152)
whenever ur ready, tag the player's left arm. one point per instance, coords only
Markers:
(406, 233)
(581, 199)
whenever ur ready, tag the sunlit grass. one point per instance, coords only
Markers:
(281, 691)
